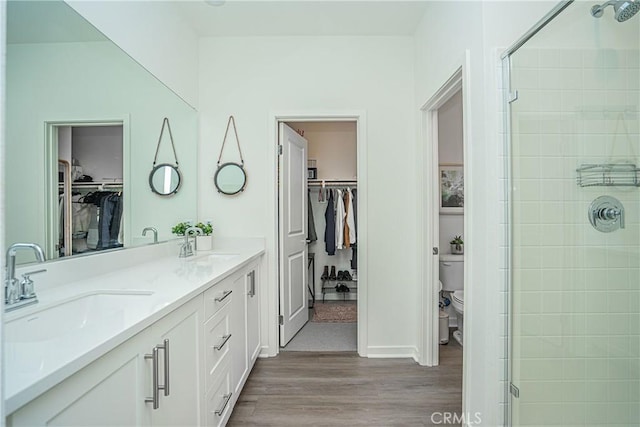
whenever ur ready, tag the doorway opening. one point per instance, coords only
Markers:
(319, 284)
(85, 180)
(444, 225)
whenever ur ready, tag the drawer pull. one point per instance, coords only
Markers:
(223, 297)
(155, 399)
(227, 398)
(224, 341)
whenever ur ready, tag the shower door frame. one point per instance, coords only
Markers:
(509, 97)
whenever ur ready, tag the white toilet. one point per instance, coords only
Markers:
(452, 278)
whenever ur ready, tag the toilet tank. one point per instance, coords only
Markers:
(452, 272)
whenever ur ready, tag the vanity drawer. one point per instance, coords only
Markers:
(217, 297)
(219, 400)
(217, 343)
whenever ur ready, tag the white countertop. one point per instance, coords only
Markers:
(128, 300)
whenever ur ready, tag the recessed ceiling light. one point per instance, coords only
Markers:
(215, 2)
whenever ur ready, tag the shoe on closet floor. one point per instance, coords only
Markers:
(332, 276)
(325, 273)
(347, 275)
(340, 275)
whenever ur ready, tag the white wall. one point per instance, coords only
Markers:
(152, 33)
(333, 145)
(483, 29)
(3, 32)
(255, 78)
(98, 149)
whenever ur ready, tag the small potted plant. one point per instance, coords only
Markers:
(457, 245)
(205, 241)
(180, 228)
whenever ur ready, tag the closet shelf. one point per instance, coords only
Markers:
(98, 185)
(608, 175)
(332, 182)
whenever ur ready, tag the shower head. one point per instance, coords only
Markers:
(623, 9)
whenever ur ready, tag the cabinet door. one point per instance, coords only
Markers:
(238, 333)
(253, 314)
(109, 392)
(182, 329)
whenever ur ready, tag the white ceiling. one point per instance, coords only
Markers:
(303, 17)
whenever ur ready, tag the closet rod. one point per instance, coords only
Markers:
(332, 182)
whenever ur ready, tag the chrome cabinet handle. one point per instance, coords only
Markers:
(252, 290)
(223, 342)
(227, 398)
(165, 347)
(223, 297)
(155, 398)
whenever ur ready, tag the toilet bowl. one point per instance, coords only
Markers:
(457, 301)
(452, 279)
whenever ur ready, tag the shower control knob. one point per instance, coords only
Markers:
(606, 214)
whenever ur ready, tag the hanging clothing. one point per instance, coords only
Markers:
(340, 214)
(109, 221)
(350, 219)
(81, 214)
(345, 199)
(311, 223)
(354, 208)
(330, 228)
(354, 257)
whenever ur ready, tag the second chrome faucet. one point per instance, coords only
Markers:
(186, 250)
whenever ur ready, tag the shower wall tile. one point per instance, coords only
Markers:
(576, 342)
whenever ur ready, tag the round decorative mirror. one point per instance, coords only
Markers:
(165, 179)
(230, 178)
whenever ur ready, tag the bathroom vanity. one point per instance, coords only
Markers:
(168, 341)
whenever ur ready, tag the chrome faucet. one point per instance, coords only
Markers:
(186, 250)
(153, 230)
(20, 293)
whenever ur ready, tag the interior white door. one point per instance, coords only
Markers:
(293, 233)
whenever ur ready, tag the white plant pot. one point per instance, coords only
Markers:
(205, 243)
(457, 249)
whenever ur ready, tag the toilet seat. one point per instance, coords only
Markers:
(458, 296)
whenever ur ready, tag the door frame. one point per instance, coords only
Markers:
(51, 168)
(429, 215)
(274, 284)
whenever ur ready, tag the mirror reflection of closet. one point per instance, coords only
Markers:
(90, 200)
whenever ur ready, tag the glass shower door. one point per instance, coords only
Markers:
(575, 289)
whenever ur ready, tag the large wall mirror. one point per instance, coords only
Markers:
(82, 118)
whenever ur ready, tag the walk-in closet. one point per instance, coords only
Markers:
(90, 181)
(332, 237)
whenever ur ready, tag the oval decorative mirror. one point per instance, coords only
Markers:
(230, 178)
(165, 179)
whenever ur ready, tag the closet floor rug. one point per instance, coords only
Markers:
(335, 312)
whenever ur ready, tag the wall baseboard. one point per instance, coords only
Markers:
(389, 352)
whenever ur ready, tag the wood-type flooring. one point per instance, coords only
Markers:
(343, 389)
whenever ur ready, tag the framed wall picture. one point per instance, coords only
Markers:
(451, 189)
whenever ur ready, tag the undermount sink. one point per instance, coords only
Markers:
(90, 312)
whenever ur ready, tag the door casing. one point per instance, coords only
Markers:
(272, 294)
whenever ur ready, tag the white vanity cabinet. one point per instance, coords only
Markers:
(232, 337)
(204, 351)
(181, 329)
(113, 389)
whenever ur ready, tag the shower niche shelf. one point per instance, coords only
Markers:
(608, 175)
